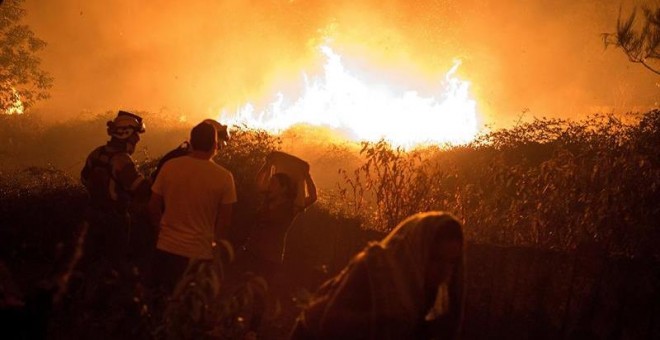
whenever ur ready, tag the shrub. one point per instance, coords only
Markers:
(549, 183)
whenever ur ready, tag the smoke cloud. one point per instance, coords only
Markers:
(197, 58)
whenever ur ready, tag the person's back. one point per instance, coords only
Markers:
(408, 286)
(185, 148)
(191, 205)
(182, 150)
(113, 183)
(193, 189)
(97, 176)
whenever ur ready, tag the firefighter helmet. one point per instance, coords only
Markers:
(125, 125)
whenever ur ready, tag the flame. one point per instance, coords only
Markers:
(370, 112)
(16, 107)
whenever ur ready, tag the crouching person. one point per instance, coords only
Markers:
(408, 286)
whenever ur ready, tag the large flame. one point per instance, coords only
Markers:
(370, 111)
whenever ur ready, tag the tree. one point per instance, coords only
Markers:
(22, 81)
(641, 46)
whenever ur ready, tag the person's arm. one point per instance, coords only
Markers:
(262, 176)
(311, 191)
(223, 222)
(155, 208)
(130, 179)
(85, 172)
(340, 308)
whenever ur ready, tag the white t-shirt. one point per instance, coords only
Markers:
(193, 190)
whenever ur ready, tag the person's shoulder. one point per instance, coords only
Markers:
(178, 160)
(220, 169)
(223, 172)
(122, 159)
(178, 152)
(96, 151)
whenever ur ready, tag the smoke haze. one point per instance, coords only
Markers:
(197, 58)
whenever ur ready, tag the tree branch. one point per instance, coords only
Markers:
(649, 67)
(637, 45)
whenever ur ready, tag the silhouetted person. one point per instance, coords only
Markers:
(278, 211)
(288, 190)
(191, 203)
(408, 286)
(113, 184)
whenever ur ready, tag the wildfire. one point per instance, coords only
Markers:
(370, 112)
(16, 106)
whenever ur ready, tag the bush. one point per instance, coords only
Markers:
(550, 184)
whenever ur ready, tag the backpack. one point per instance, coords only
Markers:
(101, 184)
(180, 151)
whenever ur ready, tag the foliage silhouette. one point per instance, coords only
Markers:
(641, 46)
(22, 81)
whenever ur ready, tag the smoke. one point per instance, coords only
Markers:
(197, 58)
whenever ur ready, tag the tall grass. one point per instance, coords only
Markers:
(550, 183)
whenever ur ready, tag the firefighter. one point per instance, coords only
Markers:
(113, 184)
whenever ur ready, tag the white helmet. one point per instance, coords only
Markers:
(221, 130)
(125, 125)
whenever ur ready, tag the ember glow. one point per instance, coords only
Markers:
(16, 106)
(370, 111)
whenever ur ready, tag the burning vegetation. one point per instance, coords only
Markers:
(546, 187)
(562, 215)
(16, 105)
(368, 110)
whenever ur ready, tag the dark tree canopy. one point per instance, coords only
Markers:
(640, 41)
(22, 81)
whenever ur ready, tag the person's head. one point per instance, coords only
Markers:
(428, 250)
(446, 254)
(125, 130)
(222, 132)
(282, 185)
(432, 241)
(203, 138)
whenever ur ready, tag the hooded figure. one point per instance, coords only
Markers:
(408, 286)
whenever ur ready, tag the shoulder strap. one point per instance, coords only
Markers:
(181, 150)
(104, 160)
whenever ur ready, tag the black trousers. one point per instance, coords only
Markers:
(166, 271)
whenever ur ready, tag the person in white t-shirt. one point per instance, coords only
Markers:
(191, 203)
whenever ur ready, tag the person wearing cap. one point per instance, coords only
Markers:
(185, 148)
(191, 205)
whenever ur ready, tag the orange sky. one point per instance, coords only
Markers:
(195, 58)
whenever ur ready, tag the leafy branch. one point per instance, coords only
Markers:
(641, 46)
